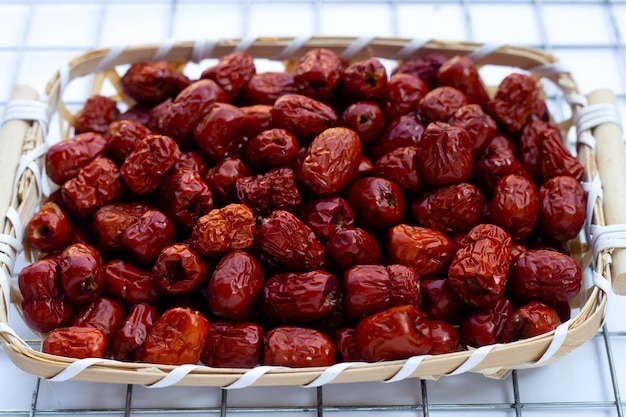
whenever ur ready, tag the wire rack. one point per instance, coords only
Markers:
(587, 36)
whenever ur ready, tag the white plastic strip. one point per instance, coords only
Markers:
(6, 329)
(607, 237)
(587, 139)
(107, 61)
(293, 47)
(5, 282)
(164, 49)
(75, 368)
(411, 48)
(356, 47)
(483, 52)
(29, 159)
(245, 44)
(251, 376)
(174, 376)
(594, 193)
(28, 110)
(475, 358)
(330, 373)
(407, 369)
(597, 114)
(202, 49)
(603, 284)
(548, 70)
(560, 334)
(575, 98)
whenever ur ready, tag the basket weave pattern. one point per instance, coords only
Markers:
(33, 115)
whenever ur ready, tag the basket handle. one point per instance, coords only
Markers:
(611, 165)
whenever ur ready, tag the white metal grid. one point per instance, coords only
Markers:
(38, 36)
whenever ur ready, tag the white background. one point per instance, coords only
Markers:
(36, 37)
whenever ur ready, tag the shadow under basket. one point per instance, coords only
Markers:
(593, 119)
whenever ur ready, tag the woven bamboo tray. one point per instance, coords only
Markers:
(24, 140)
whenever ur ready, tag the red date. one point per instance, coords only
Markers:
(82, 278)
(562, 207)
(104, 314)
(303, 116)
(515, 206)
(75, 342)
(318, 73)
(179, 269)
(231, 227)
(482, 326)
(97, 114)
(231, 73)
(50, 229)
(131, 336)
(233, 345)
(532, 319)
(145, 237)
(326, 216)
(298, 347)
(130, 283)
(66, 158)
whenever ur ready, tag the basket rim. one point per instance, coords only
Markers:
(522, 353)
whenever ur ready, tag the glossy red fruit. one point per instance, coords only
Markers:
(403, 131)
(440, 302)
(297, 347)
(373, 288)
(233, 345)
(494, 164)
(439, 104)
(44, 304)
(562, 207)
(326, 216)
(273, 190)
(235, 286)
(219, 133)
(546, 276)
(264, 88)
(444, 336)
(231, 227)
(96, 115)
(271, 148)
(424, 67)
(179, 269)
(82, 278)
(364, 80)
(131, 336)
(130, 283)
(532, 319)
(178, 337)
(480, 127)
(480, 268)
(50, 229)
(231, 73)
(404, 92)
(124, 136)
(145, 237)
(318, 73)
(110, 221)
(64, 159)
(353, 246)
(347, 349)
(331, 161)
(401, 166)
(427, 250)
(185, 197)
(104, 314)
(556, 159)
(515, 206)
(461, 73)
(396, 333)
(75, 342)
(365, 118)
(482, 326)
(514, 100)
(150, 82)
(378, 203)
(222, 179)
(303, 116)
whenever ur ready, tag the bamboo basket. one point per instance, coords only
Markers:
(24, 140)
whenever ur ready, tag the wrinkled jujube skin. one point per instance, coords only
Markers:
(151, 82)
(297, 347)
(300, 297)
(461, 73)
(290, 243)
(353, 246)
(222, 179)
(110, 221)
(131, 336)
(532, 319)
(179, 118)
(272, 148)
(528, 151)
(259, 119)
(562, 207)
(50, 229)
(185, 197)
(82, 278)
(365, 118)
(144, 169)
(193, 160)
(266, 87)
(401, 166)
(495, 164)
(303, 116)
(233, 345)
(440, 104)
(445, 155)
(426, 250)
(66, 158)
(377, 203)
(480, 268)
(326, 216)
(124, 136)
(104, 314)
(556, 159)
(274, 190)
(404, 131)
(514, 101)
(147, 235)
(440, 302)
(445, 337)
(97, 114)
(96, 185)
(373, 288)
(223, 229)
(452, 209)
(424, 67)
(178, 337)
(395, 333)
(130, 283)
(75, 342)
(364, 80)
(404, 92)
(347, 350)
(235, 285)
(482, 326)
(544, 275)
(179, 269)
(331, 161)
(219, 133)
(515, 206)
(231, 73)
(318, 73)
(480, 127)
(44, 304)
